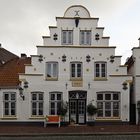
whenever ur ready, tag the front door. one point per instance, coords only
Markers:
(77, 106)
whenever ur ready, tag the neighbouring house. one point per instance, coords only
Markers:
(75, 64)
(133, 64)
(10, 97)
(5, 55)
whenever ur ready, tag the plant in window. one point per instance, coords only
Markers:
(91, 110)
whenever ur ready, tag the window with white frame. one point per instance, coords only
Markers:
(108, 104)
(100, 70)
(51, 70)
(76, 70)
(9, 103)
(55, 103)
(67, 37)
(85, 37)
(37, 103)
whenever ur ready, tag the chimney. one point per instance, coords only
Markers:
(0, 45)
(139, 42)
(23, 55)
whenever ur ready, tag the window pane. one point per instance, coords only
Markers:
(100, 105)
(52, 97)
(13, 112)
(58, 108)
(103, 70)
(41, 96)
(97, 70)
(99, 96)
(73, 70)
(34, 112)
(58, 96)
(107, 105)
(55, 69)
(100, 113)
(64, 37)
(34, 105)
(82, 37)
(88, 38)
(70, 37)
(6, 96)
(34, 97)
(107, 96)
(48, 70)
(116, 105)
(108, 113)
(6, 111)
(115, 96)
(13, 105)
(12, 96)
(40, 108)
(115, 113)
(6, 105)
(79, 70)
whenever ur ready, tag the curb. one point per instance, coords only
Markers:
(69, 134)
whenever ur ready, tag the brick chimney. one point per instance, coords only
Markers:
(23, 55)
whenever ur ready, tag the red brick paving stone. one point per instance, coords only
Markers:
(69, 129)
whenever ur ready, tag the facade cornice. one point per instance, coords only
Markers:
(99, 27)
(46, 37)
(34, 55)
(79, 18)
(105, 37)
(115, 75)
(135, 48)
(52, 26)
(100, 47)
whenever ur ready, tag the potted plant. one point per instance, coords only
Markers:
(63, 110)
(91, 110)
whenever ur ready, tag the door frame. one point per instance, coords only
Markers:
(77, 108)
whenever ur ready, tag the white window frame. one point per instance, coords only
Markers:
(53, 75)
(37, 102)
(111, 101)
(100, 73)
(85, 37)
(76, 70)
(67, 37)
(9, 101)
(55, 101)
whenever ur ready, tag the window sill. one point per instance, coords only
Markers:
(76, 79)
(51, 79)
(9, 118)
(36, 117)
(108, 119)
(100, 79)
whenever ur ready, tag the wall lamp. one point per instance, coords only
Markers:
(21, 93)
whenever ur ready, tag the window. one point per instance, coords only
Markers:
(52, 70)
(100, 70)
(67, 37)
(37, 104)
(55, 103)
(9, 104)
(108, 104)
(76, 70)
(85, 37)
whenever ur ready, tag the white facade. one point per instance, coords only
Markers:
(75, 60)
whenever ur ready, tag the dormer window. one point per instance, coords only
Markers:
(67, 37)
(85, 37)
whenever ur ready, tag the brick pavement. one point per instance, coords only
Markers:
(81, 129)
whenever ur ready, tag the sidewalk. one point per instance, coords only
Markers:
(21, 130)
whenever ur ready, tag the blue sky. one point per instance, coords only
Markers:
(24, 22)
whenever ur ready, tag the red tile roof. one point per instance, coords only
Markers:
(5, 56)
(10, 70)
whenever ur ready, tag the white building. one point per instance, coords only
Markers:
(133, 68)
(77, 65)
